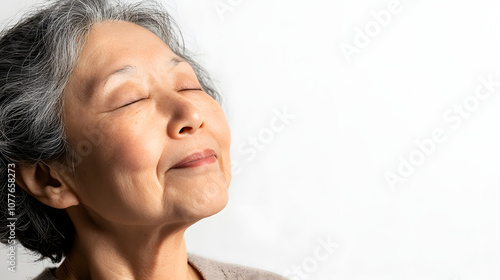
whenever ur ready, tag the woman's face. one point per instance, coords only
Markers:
(133, 110)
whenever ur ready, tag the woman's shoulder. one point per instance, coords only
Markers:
(209, 269)
(216, 270)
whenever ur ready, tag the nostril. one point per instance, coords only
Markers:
(184, 129)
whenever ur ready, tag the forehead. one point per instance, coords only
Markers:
(110, 40)
(109, 46)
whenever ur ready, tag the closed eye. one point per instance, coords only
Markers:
(132, 102)
(187, 89)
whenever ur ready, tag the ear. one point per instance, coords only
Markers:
(45, 184)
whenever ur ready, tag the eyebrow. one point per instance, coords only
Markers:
(127, 70)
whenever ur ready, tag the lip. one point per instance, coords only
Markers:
(197, 159)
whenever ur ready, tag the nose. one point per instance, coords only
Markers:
(185, 118)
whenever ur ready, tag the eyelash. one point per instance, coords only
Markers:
(130, 103)
(199, 89)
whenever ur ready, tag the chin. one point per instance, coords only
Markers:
(204, 206)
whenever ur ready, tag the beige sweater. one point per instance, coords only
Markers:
(209, 269)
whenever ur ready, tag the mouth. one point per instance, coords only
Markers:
(197, 159)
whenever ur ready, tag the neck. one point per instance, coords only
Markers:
(127, 252)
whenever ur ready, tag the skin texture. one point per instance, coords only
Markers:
(129, 206)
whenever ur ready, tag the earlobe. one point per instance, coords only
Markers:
(44, 184)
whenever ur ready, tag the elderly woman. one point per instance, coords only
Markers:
(114, 143)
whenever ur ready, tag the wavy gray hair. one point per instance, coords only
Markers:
(37, 57)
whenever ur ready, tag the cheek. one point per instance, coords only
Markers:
(224, 137)
(132, 151)
(125, 149)
(221, 132)
(218, 122)
(132, 146)
(120, 173)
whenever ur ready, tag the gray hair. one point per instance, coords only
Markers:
(37, 57)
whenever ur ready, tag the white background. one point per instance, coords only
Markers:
(320, 175)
